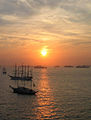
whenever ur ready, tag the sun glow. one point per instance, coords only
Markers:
(44, 52)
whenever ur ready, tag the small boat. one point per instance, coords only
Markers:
(23, 76)
(4, 70)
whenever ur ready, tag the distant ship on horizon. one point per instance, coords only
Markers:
(57, 66)
(40, 67)
(83, 66)
(69, 66)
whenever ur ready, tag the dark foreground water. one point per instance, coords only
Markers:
(64, 94)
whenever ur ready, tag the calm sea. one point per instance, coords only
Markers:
(64, 94)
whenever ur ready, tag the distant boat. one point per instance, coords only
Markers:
(4, 70)
(83, 66)
(40, 67)
(22, 73)
(69, 66)
(57, 66)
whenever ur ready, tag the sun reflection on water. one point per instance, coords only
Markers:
(46, 106)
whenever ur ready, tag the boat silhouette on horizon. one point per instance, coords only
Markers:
(83, 66)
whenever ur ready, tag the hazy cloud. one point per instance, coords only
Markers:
(76, 10)
(59, 19)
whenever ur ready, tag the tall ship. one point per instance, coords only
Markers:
(23, 74)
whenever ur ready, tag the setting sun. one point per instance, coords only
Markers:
(44, 52)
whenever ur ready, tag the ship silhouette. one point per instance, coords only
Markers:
(23, 74)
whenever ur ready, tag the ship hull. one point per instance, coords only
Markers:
(20, 78)
(23, 91)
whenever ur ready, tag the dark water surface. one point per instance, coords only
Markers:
(64, 94)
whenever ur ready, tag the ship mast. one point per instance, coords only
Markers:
(15, 71)
(16, 74)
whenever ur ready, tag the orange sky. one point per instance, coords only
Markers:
(62, 27)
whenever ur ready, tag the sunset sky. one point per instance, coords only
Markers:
(62, 27)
